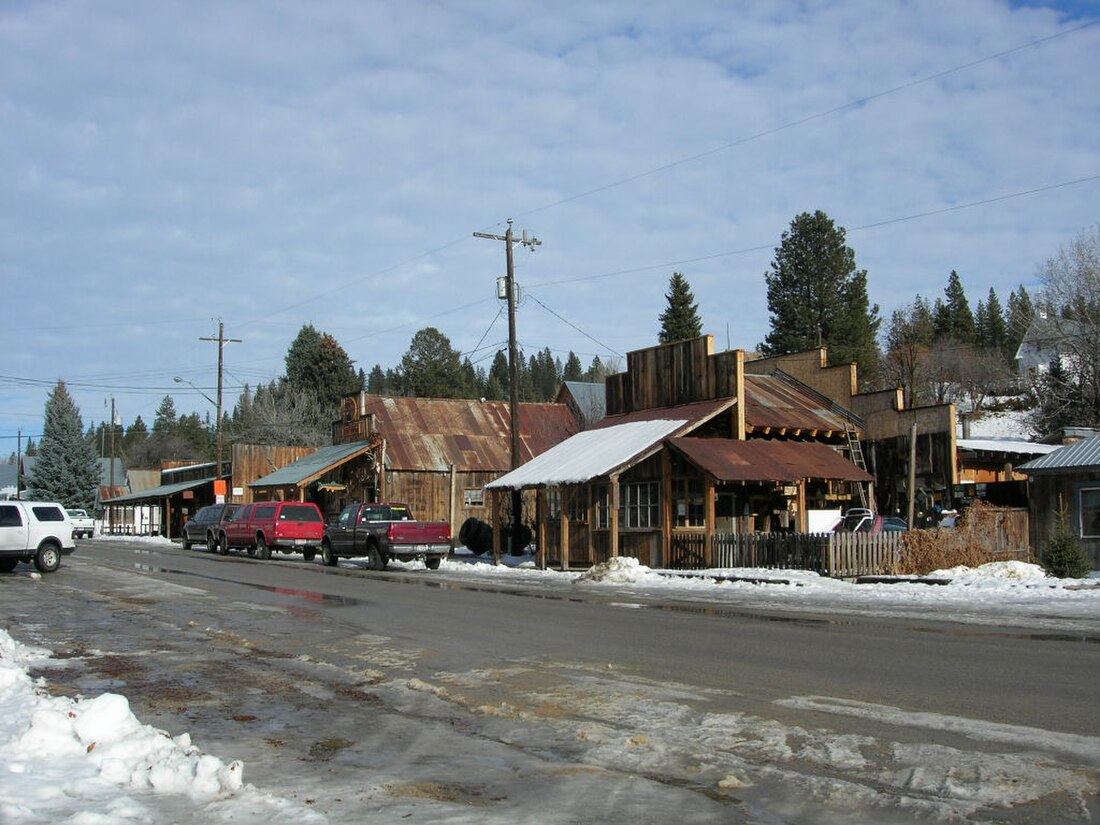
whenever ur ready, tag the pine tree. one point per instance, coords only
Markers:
(67, 469)
(318, 365)
(680, 320)
(573, 370)
(815, 292)
(953, 318)
(996, 328)
(432, 368)
(166, 420)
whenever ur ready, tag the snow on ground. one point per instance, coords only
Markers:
(89, 761)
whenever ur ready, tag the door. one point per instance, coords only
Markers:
(13, 530)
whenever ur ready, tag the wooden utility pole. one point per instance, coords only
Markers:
(513, 355)
(513, 346)
(222, 341)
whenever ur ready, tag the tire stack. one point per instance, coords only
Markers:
(476, 535)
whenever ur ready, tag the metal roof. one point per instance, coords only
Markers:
(694, 413)
(1005, 445)
(157, 493)
(774, 403)
(761, 459)
(1082, 455)
(472, 435)
(590, 454)
(315, 464)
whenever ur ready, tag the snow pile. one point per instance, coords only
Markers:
(57, 753)
(619, 570)
(1013, 570)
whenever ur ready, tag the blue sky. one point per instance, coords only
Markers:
(274, 164)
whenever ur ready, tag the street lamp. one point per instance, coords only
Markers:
(217, 424)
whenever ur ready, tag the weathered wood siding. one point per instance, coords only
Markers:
(253, 461)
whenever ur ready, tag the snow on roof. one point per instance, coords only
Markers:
(588, 454)
(1006, 445)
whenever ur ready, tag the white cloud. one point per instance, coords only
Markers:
(176, 162)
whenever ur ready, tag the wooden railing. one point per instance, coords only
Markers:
(839, 555)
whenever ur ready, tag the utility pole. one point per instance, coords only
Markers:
(513, 358)
(513, 346)
(112, 453)
(19, 466)
(222, 341)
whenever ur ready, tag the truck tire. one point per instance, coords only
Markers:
(374, 559)
(432, 562)
(223, 545)
(309, 554)
(186, 543)
(48, 557)
(328, 558)
(478, 536)
(211, 543)
(467, 530)
(262, 549)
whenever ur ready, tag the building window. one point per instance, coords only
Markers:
(687, 502)
(473, 498)
(1090, 512)
(600, 499)
(641, 504)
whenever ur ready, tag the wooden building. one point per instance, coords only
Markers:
(1066, 484)
(434, 454)
(697, 443)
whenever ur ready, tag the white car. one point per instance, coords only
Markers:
(37, 531)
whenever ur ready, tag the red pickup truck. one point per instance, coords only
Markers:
(382, 531)
(286, 526)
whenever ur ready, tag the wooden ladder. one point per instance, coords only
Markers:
(855, 450)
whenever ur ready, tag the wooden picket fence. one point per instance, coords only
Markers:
(840, 555)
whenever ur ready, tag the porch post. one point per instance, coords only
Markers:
(566, 494)
(592, 517)
(708, 520)
(803, 516)
(666, 507)
(493, 507)
(540, 516)
(613, 517)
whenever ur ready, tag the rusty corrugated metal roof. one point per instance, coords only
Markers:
(766, 460)
(774, 404)
(695, 414)
(434, 433)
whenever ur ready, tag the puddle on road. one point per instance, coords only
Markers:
(328, 599)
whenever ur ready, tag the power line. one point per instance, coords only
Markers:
(578, 329)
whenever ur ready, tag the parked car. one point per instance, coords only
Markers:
(286, 526)
(38, 531)
(83, 524)
(203, 528)
(860, 520)
(382, 531)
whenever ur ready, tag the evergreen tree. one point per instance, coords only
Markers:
(680, 320)
(815, 291)
(573, 371)
(376, 381)
(32, 448)
(166, 420)
(499, 381)
(136, 435)
(432, 368)
(317, 364)
(953, 318)
(67, 469)
(996, 328)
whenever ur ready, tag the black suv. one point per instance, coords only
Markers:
(203, 528)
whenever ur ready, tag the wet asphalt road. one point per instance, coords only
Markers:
(420, 696)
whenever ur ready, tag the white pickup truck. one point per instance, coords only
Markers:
(38, 531)
(83, 524)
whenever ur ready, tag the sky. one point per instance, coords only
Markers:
(167, 165)
(88, 760)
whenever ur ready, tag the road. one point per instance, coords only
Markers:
(438, 696)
